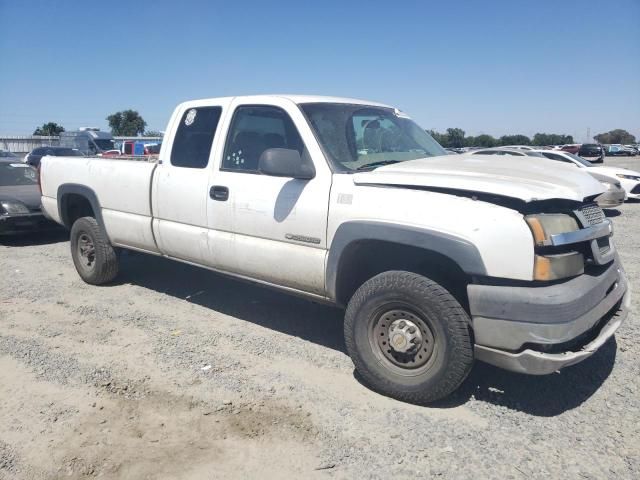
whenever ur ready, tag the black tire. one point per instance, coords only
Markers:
(93, 256)
(421, 302)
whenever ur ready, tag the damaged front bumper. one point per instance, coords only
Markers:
(539, 330)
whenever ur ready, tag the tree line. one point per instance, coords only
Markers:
(126, 123)
(456, 138)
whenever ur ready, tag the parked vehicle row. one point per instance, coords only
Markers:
(622, 150)
(619, 183)
(33, 158)
(439, 260)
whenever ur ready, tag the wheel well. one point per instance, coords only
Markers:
(365, 259)
(75, 206)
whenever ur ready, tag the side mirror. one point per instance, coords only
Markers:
(284, 162)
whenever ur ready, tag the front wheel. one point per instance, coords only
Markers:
(408, 337)
(93, 256)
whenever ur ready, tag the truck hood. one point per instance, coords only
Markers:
(524, 178)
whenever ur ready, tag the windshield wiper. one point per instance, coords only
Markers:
(377, 164)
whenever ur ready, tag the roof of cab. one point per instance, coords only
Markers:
(299, 99)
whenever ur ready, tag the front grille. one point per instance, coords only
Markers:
(591, 213)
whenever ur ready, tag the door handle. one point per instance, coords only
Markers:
(219, 193)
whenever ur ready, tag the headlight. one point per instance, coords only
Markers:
(546, 224)
(12, 208)
(628, 177)
(554, 266)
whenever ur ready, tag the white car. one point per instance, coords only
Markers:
(520, 147)
(629, 179)
(439, 260)
(612, 197)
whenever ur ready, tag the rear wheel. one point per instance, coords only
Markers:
(93, 256)
(409, 338)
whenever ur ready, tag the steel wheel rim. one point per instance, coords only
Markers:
(86, 251)
(394, 353)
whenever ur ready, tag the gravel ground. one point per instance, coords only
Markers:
(177, 372)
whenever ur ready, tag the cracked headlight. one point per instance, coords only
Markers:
(546, 224)
(12, 208)
(554, 266)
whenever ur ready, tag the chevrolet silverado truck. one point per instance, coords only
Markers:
(438, 260)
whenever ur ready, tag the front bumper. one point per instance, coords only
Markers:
(538, 330)
(24, 223)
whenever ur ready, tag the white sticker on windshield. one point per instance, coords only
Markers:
(400, 114)
(20, 165)
(191, 116)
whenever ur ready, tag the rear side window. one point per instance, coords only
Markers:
(194, 137)
(255, 129)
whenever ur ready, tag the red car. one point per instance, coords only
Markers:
(570, 148)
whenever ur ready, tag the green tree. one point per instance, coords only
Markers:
(541, 139)
(49, 129)
(515, 140)
(441, 138)
(483, 140)
(126, 123)
(615, 136)
(455, 137)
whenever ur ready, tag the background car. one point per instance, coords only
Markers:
(592, 152)
(20, 199)
(520, 147)
(629, 180)
(33, 158)
(615, 150)
(507, 151)
(570, 148)
(7, 155)
(614, 194)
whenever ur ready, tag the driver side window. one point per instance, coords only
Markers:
(255, 129)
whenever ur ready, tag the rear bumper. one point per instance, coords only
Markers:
(17, 224)
(538, 330)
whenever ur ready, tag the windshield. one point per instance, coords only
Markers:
(16, 174)
(360, 137)
(104, 144)
(578, 159)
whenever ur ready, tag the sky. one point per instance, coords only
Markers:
(496, 67)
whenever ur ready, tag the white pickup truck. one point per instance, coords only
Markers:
(439, 260)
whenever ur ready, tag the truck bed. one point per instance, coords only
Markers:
(122, 185)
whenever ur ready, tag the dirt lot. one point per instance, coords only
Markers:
(176, 372)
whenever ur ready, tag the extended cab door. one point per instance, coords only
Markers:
(265, 227)
(181, 181)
